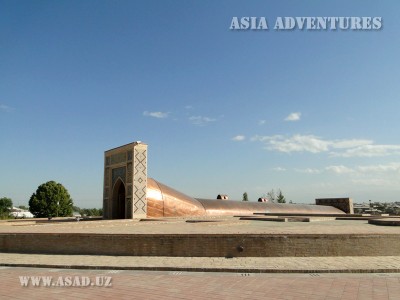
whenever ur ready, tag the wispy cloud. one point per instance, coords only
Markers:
(262, 122)
(279, 169)
(5, 108)
(335, 148)
(381, 175)
(239, 138)
(293, 117)
(358, 170)
(339, 169)
(376, 182)
(370, 150)
(308, 171)
(156, 114)
(200, 120)
(296, 143)
(391, 167)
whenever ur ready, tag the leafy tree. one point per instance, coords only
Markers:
(275, 197)
(5, 206)
(76, 208)
(280, 198)
(50, 200)
(23, 207)
(245, 197)
(271, 196)
(89, 212)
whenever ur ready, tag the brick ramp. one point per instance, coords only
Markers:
(349, 264)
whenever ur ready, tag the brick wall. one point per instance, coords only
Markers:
(344, 204)
(218, 245)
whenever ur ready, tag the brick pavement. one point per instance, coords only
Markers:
(199, 285)
(221, 225)
(347, 264)
(377, 278)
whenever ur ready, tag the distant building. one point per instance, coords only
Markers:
(366, 208)
(19, 213)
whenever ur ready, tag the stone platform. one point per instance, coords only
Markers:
(224, 237)
(385, 221)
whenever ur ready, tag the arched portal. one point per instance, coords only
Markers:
(118, 200)
(128, 163)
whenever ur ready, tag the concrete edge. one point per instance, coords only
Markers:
(204, 269)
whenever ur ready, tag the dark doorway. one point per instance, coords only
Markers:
(119, 200)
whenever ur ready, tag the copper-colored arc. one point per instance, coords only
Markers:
(164, 201)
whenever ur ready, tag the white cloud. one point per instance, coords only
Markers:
(293, 117)
(379, 175)
(344, 144)
(239, 138)
(360, 171)
(378, 182)
(339, 169)
(336, 148)
(200, 120)
(279, 169)
(261, 122)
(370, 151)
(296, 143)
(392, 167)
(308, 171)
(156, 114)
(5, 108)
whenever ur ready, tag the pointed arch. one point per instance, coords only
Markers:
(119, 200)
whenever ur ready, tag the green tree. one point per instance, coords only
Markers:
(51, 200)
(89, 212)
(280, 198)
(96, 212)
(76, 209)
(245, 197)
(5, 206)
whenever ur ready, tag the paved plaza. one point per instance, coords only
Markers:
(197, 285)
(342, 264)
(152, 277)
(198, 225)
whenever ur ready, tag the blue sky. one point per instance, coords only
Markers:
(314, 113)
